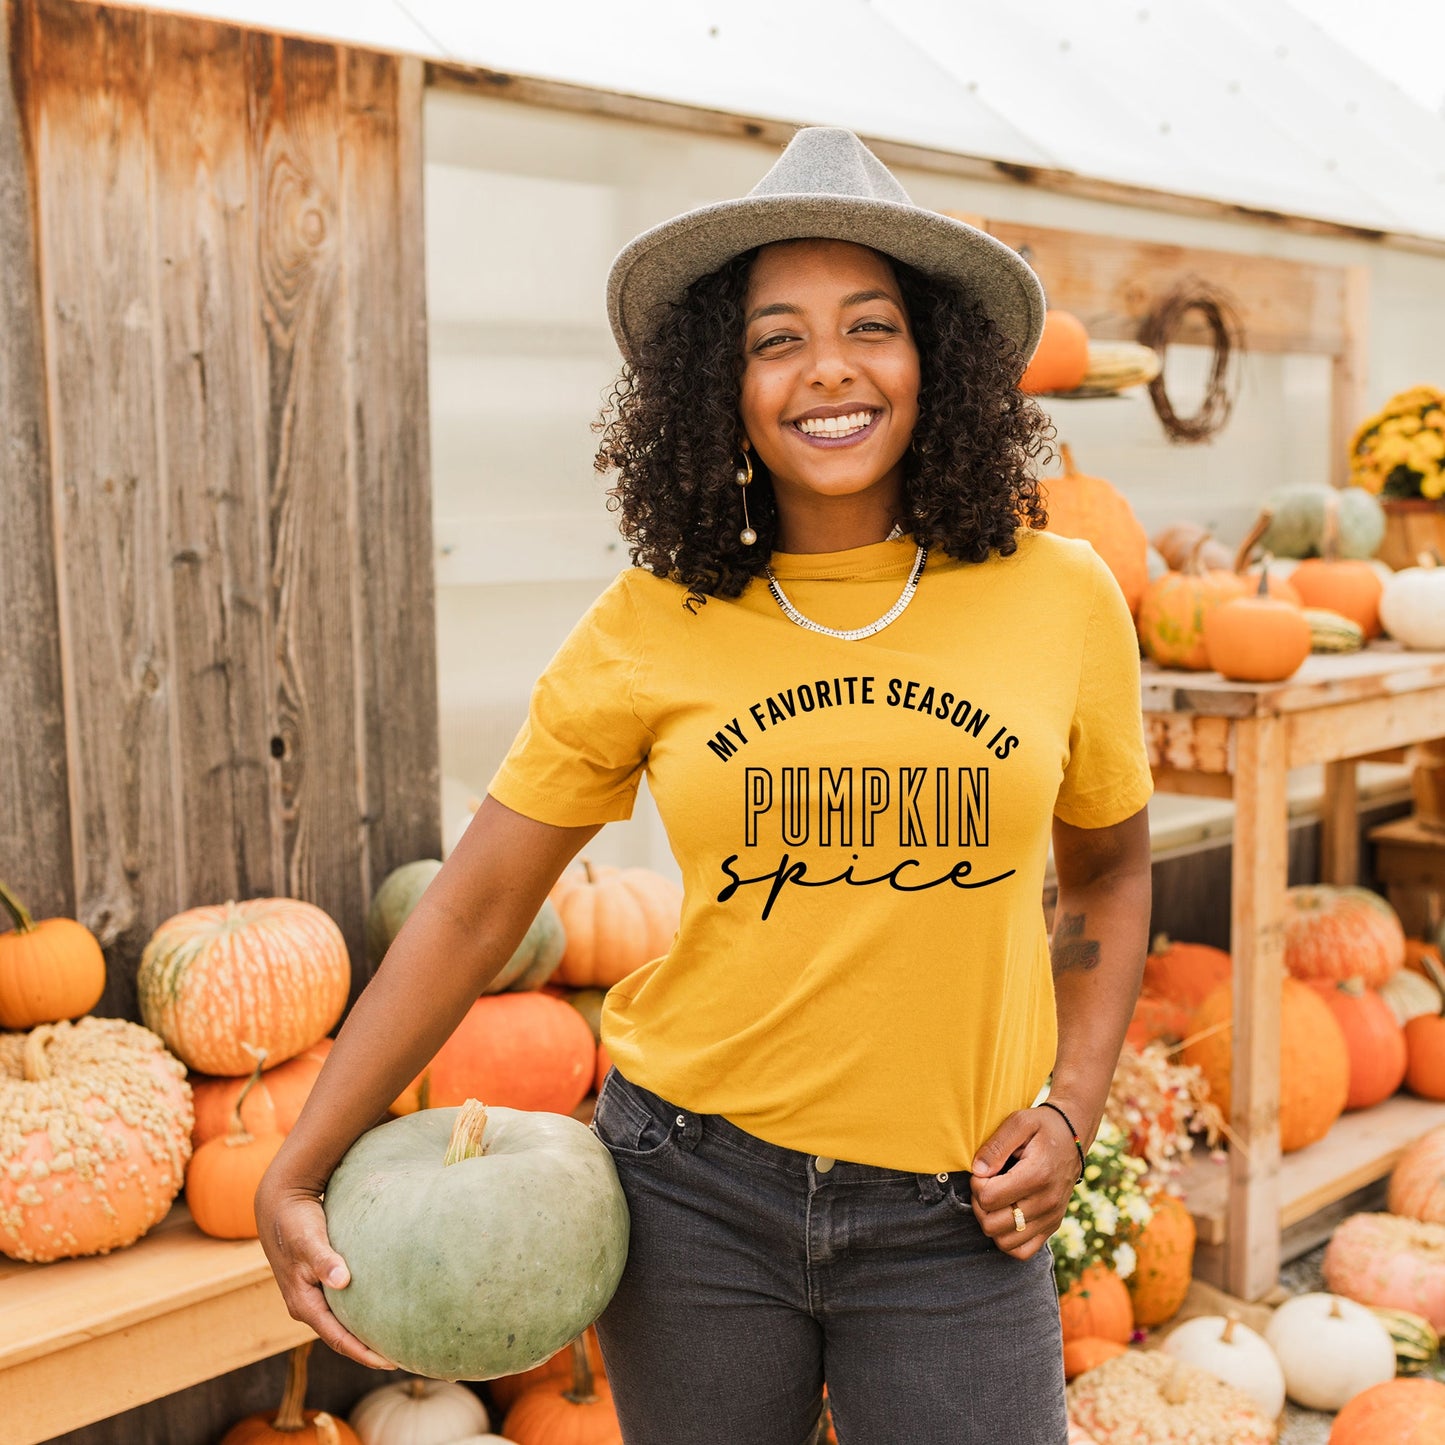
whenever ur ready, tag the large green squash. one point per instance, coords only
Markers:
(467, 1265)
(1297, 526)
(533, 963)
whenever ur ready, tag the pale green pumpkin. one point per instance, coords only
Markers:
(536, 957)
(470, 1267)
(1297, 527)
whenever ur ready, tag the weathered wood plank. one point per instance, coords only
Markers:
(295, 118)
(227, 789)
(88, 79)
(382, 168)
(1349, 372)
(35, 839)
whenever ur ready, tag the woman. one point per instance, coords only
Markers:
(866, 690)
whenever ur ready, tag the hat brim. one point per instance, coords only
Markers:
(654, 271)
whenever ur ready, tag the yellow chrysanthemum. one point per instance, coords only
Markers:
(1406, 436)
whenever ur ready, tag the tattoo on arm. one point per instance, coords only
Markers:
(1070, 949)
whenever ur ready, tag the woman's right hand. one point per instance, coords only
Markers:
(292, 1228)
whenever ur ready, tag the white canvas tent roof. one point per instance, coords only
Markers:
(1241, 101)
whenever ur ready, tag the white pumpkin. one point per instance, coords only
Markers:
(1412, 606)
(1232, 1352)
(1409, 995)
(415, 1411)
(1330, 1349)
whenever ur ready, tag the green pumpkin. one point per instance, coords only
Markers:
(1298, 524)
(588, 1002)
(536, 957)
(467, 1265)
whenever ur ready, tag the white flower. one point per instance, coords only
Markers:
(1106, 1217)
(1070, 1238)
(1124, 1260)
(1139, 1210)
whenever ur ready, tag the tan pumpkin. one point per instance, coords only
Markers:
(1373, 1038)
(1096, 511)
(1164, 1268)
(1177, 541)
(575, 1412)
(1173, 609)
(615, 920)
(1185, 972)
(1410, 994)
(1314, 1062)
(1397, 1412)
(1382, 1259)
(271, 1107)
(223, 1174)
(1061, 360)
(1334, 933)
(1097, 1305)
(1417, 1182)
(95, 1131)
(49, 971)
(271, 973)
(1144, 1395)
(292, 1423)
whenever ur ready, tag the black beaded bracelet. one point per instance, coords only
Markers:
(1078, 1143)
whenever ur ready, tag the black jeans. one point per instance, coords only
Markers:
(755, 1273)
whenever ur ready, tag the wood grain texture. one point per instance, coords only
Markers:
(87, 85)
(35, 843)
(227, 788)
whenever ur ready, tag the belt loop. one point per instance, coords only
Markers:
(930, 1190)
(689, 1130)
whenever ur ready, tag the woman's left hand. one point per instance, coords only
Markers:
(1035, 1187)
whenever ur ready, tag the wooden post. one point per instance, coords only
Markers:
(1340, 825)
(1260, 875)
(1349, 371)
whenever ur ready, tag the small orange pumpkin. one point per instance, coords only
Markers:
(506, 1390)
(1259, 638)
(1373, 1037)
(1084, 1354)
(1185, 972)
(49, 971)
(575, 1412)
(1157, 1019)
(272, 1107)
(1100, 514)
(292, 1424)
(615, 919)
(1164, 1267)
(222, 1176)
(1334, 933)
(1341, 584)
(1062, 359)
(1425, 1045)
(1399, 1412)
(1173, 609)
(1097, 1304)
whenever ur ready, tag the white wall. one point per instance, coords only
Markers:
(526, 208)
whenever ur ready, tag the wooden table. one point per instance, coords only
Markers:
(1225, 739)
(82, 1339)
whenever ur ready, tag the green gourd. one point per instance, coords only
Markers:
(1297, 526)
(479, 1241)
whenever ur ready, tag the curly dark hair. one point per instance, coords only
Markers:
(670, 424)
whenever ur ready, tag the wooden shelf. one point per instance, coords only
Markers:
(82, 1339)
(1361, 1148)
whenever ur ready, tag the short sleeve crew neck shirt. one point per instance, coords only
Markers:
(862, 968)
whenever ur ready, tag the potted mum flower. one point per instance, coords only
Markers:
(1106, 1212)
(1399, 454)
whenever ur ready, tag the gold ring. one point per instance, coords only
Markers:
(1020, 1223)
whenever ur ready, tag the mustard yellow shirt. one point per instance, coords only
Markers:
(862, 968)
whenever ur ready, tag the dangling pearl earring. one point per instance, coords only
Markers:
(742, 477)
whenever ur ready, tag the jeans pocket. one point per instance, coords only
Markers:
(628, 1123)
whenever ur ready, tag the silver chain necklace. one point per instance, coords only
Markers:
(856, 633)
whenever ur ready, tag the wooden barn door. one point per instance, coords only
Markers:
(216, 609)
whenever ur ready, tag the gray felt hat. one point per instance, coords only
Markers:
(828, 184)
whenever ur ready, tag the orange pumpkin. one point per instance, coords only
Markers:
(222, 1176)
(272, 973)
(574, 1412)
(1335, 933)
(1184, 972)
(1425, 1045)
(1062, 359)
(1314, 1069)
(1373, 1038)
(615, 919)
(1095, 510)
(1084, 1354)
(1097, 1304)
(271, 1107)
(49, 971)
(292, 1424)
(1165, 1261)
(1417, 950)
(1173, 609)
(515, 1050)
(1417, 1182)
(103, 1090)
(1351, 587)
(1399, 1412)
(1257, 638)
(505, 1390)
(1157, 1019)
(604, 1062)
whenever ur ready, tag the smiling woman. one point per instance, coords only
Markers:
(867, 691)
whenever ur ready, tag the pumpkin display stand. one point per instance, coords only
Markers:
(1211, 737)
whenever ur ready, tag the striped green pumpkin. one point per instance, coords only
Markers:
(1416, 1341)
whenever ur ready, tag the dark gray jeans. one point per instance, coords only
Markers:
(755, 1273)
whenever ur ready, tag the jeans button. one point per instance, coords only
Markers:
(823, 1164)
(682, 1121)
(942, 1178)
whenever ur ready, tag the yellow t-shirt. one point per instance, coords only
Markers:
(862, 968)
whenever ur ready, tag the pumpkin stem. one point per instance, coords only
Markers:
(24, 923)
(34, 1064)
(1161, 944)
(1176, 1387)
(326, 1431)
(1227, 1338)
(1353, 987)
(1066, 454)
(1194, 562)
(416, 1387)
(587, 872)
(292, 1414)
(467, 1141)
(423, 1093)
(1336, 1313)
(1433, 971)
(236, 1131)
(584, 1387)
(1263, 589)
(1252, 538)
